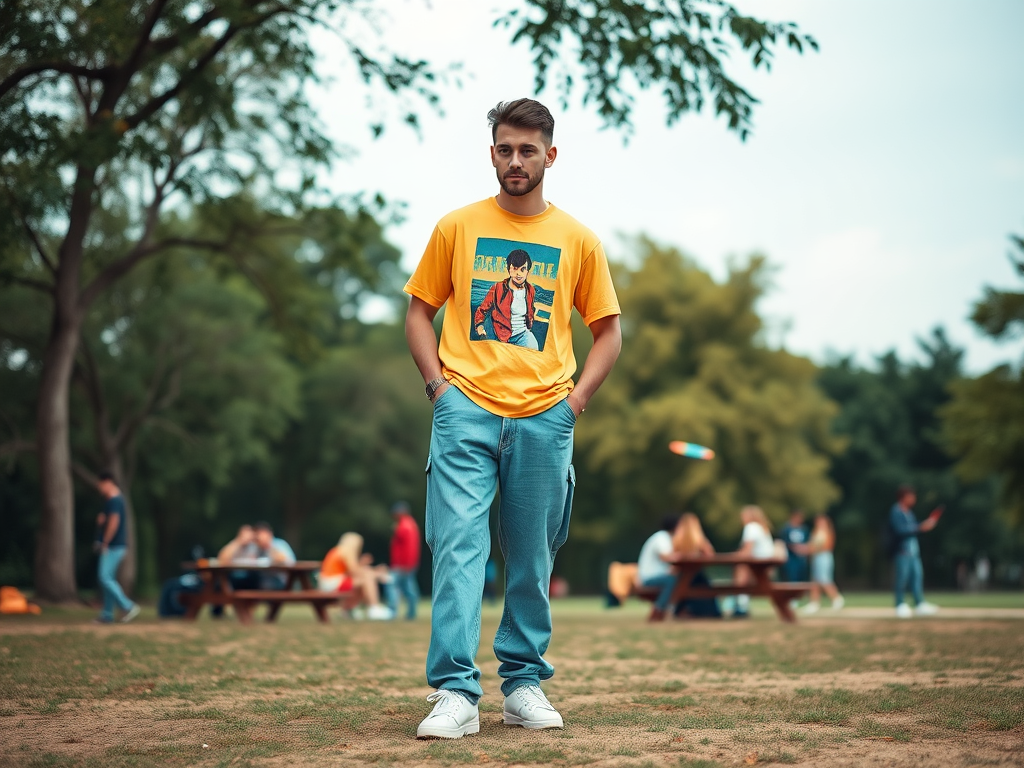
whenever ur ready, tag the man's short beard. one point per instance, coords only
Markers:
(531, 184)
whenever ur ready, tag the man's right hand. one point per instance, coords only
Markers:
(439, 391)
(481, 332)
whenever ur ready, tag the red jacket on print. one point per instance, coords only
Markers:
(498, 303)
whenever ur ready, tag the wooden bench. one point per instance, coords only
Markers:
(246, 599)
(781, 593)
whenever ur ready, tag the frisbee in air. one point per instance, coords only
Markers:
(691, 450)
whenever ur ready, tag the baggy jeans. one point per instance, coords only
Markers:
(403, 584)
(909, 574)
(473, 453)
(113, 595)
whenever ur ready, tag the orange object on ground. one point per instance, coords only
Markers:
(12, 601)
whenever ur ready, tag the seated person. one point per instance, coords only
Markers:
(756, 542)
(653, 569)
(344, 570)
(689, 539)
(256, 545)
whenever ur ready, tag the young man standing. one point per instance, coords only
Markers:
(909, 572)
(112, 543)
(503, 418)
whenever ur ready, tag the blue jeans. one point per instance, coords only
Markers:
(909, 573)
(666, 583)
(403, 584)
(113, 595)
(472, 454)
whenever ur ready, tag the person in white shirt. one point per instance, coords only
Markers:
(653, 569)
(757, 542)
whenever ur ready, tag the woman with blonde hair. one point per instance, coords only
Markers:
(345, 570)
(820, 547)
(756, 542)
(689, 539)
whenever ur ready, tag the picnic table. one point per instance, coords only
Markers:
(217, 589)
(779, 592)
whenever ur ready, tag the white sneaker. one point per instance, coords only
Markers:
(529, 707)
(810, 608)
(132, 613)
(838, 603)
(903, 611)
(379, 613)
(926, 609)
(452, 717)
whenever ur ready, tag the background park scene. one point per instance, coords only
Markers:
(815, 218)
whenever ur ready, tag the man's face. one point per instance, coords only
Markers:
(519, 274)
(909, 500)
(519, 157)
(106, 488)
(264, 538)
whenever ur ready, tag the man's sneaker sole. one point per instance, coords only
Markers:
(432, 732)
(533, 725)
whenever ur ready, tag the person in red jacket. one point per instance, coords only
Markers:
(405, 559)
(510, 304)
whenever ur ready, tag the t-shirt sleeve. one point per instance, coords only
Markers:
(432, 280)
(595, 294)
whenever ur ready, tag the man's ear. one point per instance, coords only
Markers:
(494, 163)
(549, 156)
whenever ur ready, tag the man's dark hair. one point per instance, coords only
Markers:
(104, 476)
(669, 522)
(263, 526)
(522, 113)
(903, 490)
(518, 257)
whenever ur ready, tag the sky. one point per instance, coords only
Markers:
(882, 179)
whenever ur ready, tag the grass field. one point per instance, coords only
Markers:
(833, 690)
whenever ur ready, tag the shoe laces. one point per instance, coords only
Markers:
(533, 697)
(448, 702)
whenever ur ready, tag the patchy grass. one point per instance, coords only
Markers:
(699, 695)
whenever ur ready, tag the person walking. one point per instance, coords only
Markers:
(504, 416)
(112, 544)
(909, 572)
(405, 559)
(821, 548)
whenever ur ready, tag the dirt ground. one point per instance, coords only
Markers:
(631, 695)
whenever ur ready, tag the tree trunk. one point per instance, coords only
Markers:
(55, 544)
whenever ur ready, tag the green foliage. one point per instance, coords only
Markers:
(984, 422)
(693, 367)
(676, 47)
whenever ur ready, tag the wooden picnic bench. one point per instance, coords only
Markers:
(781, 593)
(217, 589)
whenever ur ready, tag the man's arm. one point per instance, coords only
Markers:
(113, 522)
(607, 343)
(422, 341)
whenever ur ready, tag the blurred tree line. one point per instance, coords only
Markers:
(186, 379)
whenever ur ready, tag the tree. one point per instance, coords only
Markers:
(984, 422)
(141, 106)
(694, 367)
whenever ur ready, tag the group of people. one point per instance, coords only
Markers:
(347, 569)
(685, 535)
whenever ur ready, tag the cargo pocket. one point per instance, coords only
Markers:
(563, 529)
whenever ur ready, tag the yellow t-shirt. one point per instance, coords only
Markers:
(522, 363)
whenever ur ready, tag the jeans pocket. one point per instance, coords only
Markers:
(442, 396)
(568, 408)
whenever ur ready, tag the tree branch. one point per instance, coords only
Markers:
(13, 79)
(39, 247)
(28, 282)
(16, 446)
(114, 271)
(158, 103)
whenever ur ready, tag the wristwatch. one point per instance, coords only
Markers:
(434, 385)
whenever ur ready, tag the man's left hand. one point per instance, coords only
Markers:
(576, 407)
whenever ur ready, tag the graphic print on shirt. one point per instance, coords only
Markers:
(513, 291)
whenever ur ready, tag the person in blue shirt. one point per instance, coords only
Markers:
(112, 544)
(794, 532)
(909, 573)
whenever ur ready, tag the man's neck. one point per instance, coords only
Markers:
(532, 204)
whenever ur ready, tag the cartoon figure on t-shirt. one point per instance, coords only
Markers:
(514, 310)
(510, 304)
